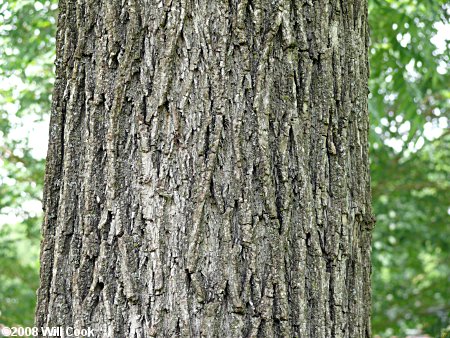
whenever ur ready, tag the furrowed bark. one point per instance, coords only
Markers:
(208, 170)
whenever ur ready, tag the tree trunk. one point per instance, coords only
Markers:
(208, 170)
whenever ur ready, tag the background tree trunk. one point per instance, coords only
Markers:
(208, 171)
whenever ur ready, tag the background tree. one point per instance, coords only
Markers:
(411, 238)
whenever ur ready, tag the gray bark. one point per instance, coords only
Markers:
(208, 170)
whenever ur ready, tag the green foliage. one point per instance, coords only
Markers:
(410, 163)
(19, 280)
(410, 167)
(26, 75)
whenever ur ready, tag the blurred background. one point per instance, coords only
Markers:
(410, 156)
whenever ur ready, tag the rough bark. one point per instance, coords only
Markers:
(208, 170)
